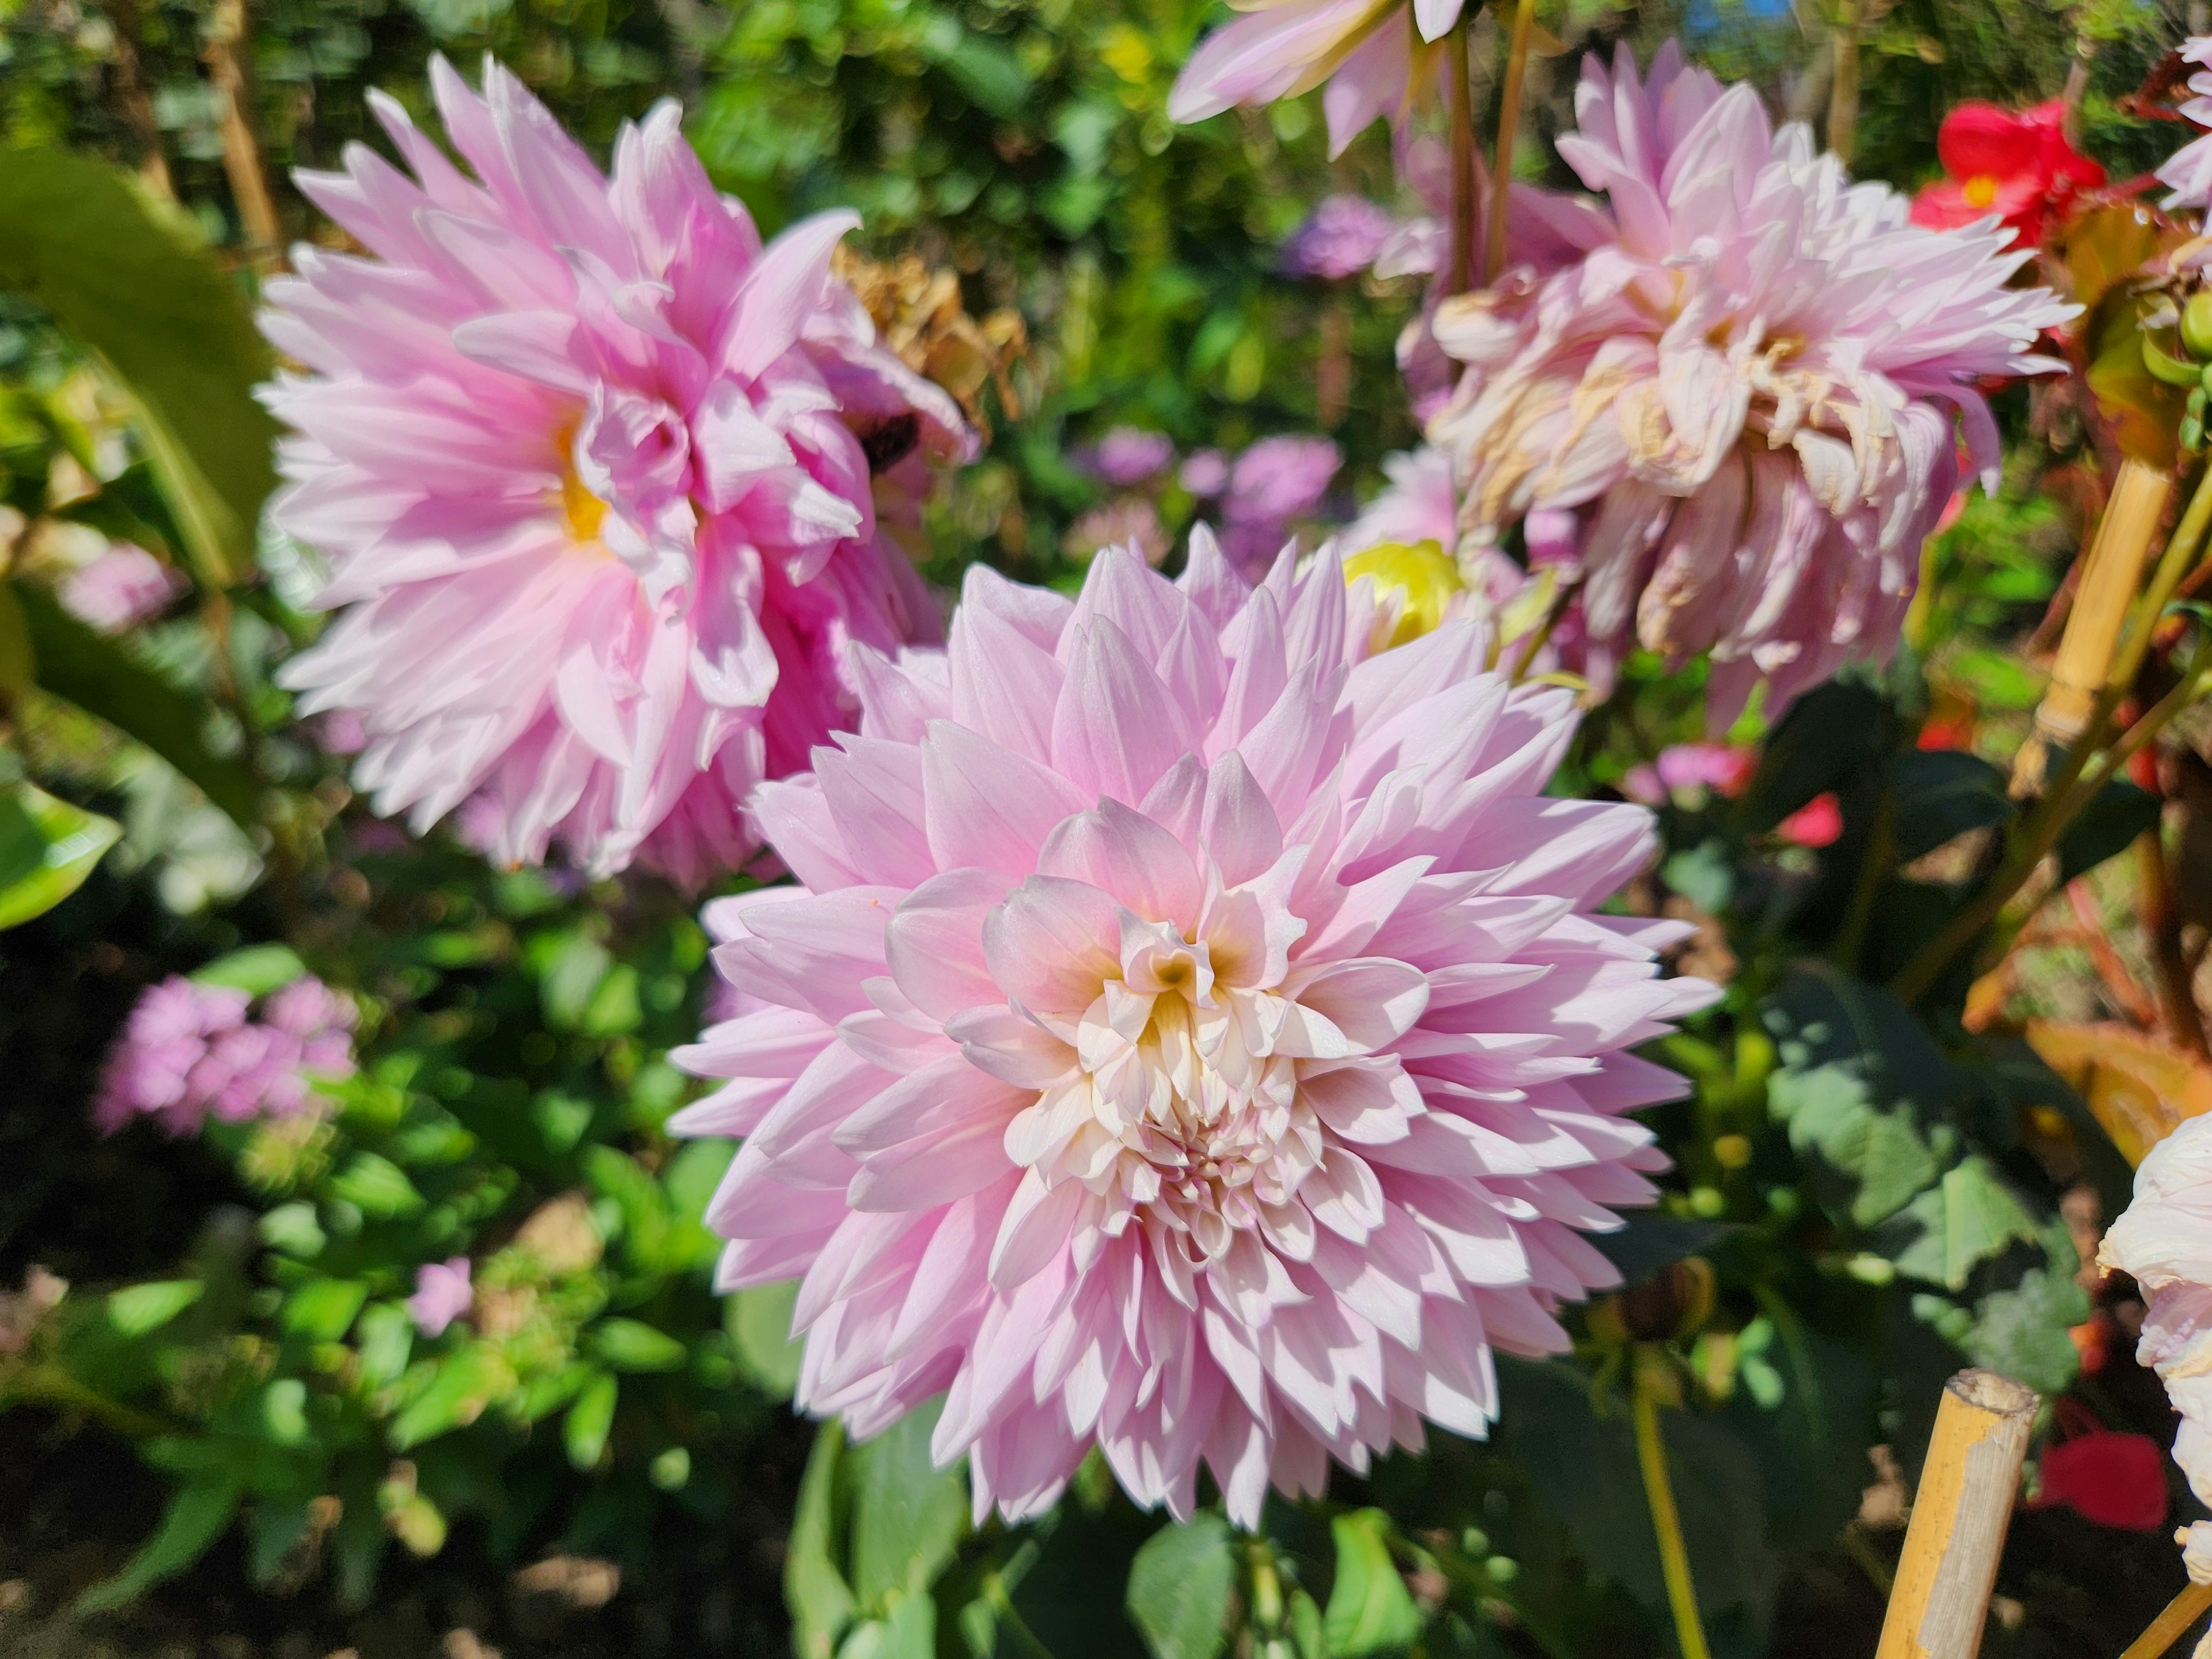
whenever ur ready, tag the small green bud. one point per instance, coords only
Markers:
(2196, 325)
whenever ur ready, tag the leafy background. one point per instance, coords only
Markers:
(228, 1437)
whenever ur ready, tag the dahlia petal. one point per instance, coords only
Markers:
(987, 807)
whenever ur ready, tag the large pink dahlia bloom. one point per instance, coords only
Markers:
(1751, 396)
(2187, 173)
(1195, 1037)
(2164, 1239)
(591, 468)
(1377, 57)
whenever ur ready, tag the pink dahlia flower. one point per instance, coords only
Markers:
(592, 469)
(1378, 60)
(1751, 398)
(2164, 1240)
(1273, 484)
(1195, 1037)
(121, 588)
(2187, 173)
(1339, 239)
(189, 1052)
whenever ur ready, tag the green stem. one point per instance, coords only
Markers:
(46, 1385)
(1464, 209)
(1508, 128)
(1659, 1491)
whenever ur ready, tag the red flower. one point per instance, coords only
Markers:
(2015, 164)
(2113, 1479)
(1816, 824)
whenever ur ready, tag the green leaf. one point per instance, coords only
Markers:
(630, 1345)
(1939, 794)
(76, 237)
(198, 1514)
(758, 1321)
(384, 1339)
(1370, 1609)
(584, 1431)
(48, 848)
(322, 1309)
(814, 1587)
(2023, 1331)
(2115, 816)
(908, 1513)
(257, 971)
(93, 672)
(1970, 1216)
(140, 1309)
(462, 1385)
(19, 667)
(1996, 680)
(377, 1186)
(1180, 1586)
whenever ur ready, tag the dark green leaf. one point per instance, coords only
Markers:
(1649, 1241)
(196, 1515)
(76, 237)
(1180, 1586)
(1939, 794)
(1827, 735)
(92, 672)
(2115, 816)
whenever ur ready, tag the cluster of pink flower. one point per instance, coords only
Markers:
(1259, 498)
(190, 1051)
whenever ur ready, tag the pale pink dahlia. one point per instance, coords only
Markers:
(2164, 1240)
(2187, 173)
(1195, 1037)
(593, 471)
(1379, 57)
(1753, 398)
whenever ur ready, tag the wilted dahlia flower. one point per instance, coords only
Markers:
(593, 469)
(2164, 1240)
(1195, 1037)
(1751, 398)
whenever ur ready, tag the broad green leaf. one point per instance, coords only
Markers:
(2023, 1331)
(1370, 1609)
(198, 1514)
(140, 1309)
(377, 1186)
(257, 970)
(1180, 1586)
(631, 1345)
(48, 848)
(1995, 680)
(758, 1321)
(908, 1513)
(1963, 1220)
(908, 1632)
(92, 672)
(814, 1587)
(78, 239)
(1938, 794)
(2115, 816)
(322, 1309)
(584, 1431)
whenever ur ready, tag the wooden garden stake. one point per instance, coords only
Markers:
(1959, 1518)
(2112, 572)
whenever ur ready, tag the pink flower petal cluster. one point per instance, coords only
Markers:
(190, 1051)
(1269, 487)
(2187, 173)
(593, 471)
(1339, 237)
(1378, 60)
(1751, 396)
(124, 586)
(2164, 1240)
(1195, 1037)
(1128, 456)
(443, 1292)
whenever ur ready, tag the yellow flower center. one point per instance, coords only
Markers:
(583, 510)
(1423, 575)
(1981, 189)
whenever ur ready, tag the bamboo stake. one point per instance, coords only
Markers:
(2170, 1626)
(2112, 572)
(1959, 1518)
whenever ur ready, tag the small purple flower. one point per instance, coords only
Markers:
(1339, 239)
(442, 1294)
(1127, 456)
(189, 1052)
(121, 588)
(1279, 479)
(1205, 473)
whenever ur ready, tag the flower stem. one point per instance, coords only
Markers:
(1508, 128)
(2076, 782)
(2169, 1627)
(1461, 75)
(1658, 1489)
